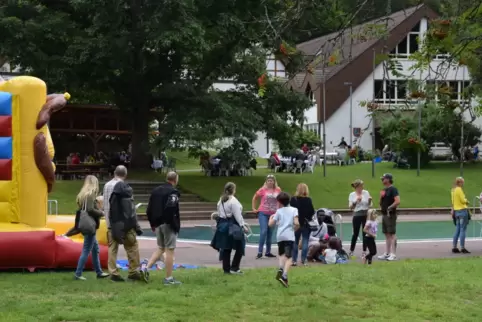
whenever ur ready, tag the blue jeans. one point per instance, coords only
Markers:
(304, 233)
(90, 246)
(265, 233)
(461, 220)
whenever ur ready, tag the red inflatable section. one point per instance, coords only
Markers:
(41, 249)
(67, 254)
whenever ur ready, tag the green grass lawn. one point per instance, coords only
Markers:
(431, 189)
(418, 290)
(183, 162)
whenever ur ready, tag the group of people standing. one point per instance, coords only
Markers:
(294, 217)
(116, 205)
(364, 218)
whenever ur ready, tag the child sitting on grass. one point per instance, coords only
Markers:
(329, 254)
(286, 218)
(370, 235)
(334, 254)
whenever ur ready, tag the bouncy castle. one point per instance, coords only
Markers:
(27, 175)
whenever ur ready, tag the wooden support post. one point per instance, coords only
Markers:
(95, 138)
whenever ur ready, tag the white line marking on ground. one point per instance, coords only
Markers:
(381, 242)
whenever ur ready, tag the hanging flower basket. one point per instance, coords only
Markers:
(372, 106)
(445, 22)
(417, 94)
(440, 34)
(445, 90)
(462, 62)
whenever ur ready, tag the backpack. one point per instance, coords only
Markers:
(342, 257)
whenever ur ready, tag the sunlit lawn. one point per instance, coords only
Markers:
(419, 290)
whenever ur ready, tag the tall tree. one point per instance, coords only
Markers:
(161, 55)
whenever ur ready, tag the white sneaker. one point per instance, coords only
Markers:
(392, 257)
(385, 256)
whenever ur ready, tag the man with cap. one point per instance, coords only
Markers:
(389, 201)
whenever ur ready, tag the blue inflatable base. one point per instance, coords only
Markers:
(123, 264)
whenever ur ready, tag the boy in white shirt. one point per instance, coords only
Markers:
(286, 218)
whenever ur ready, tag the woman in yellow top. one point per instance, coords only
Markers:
(460, 213)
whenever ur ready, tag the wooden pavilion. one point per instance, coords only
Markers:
(89, 129)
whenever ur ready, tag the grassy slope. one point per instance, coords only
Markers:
(422, 290)
(431, 189)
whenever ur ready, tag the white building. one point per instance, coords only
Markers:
(357, 65)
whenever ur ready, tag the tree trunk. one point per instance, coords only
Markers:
(140, 137)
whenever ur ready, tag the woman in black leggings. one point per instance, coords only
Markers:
(359, 202)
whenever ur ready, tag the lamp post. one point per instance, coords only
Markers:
(324, 123)
(462, 145)
(351, 111)
(419, 104)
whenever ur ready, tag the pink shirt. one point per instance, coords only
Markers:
(269, 204)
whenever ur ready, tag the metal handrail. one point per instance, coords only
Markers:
(56, 205)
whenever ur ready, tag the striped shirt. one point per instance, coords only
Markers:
(108, 189)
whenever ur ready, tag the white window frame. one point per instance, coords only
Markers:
(279, 68)
(447, 83)
(408, 53)
(386, 99)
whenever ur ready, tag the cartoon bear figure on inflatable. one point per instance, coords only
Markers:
(27, 175)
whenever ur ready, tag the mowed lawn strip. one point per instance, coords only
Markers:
(431, 189)
(418, 290)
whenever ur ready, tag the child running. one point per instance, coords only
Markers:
(286, 217)
(370, 234)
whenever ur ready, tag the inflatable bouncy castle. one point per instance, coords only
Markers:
(27, 175)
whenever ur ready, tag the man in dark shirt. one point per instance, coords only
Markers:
(343, 143)
(389, 201)
(163, 215)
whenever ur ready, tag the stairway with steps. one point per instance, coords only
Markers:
(191, 206)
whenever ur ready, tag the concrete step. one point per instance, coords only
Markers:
(196, 205)
(144, 198)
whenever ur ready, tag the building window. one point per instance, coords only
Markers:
(456, 89)
(409, 44)
(275, 68)
(312, 128)
(309, 93)
(390, 91)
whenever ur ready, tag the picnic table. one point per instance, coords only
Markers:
(75, 171)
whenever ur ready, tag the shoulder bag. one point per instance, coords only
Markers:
(234, 229)
(313, 223)
(86, 222)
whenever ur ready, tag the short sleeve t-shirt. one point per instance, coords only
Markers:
(330, 256)
(372, 227)
(387, 198)
(284, 218)
(269, 204)
(364, 204)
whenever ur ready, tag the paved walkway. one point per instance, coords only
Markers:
(204, 255)
(199, 253)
